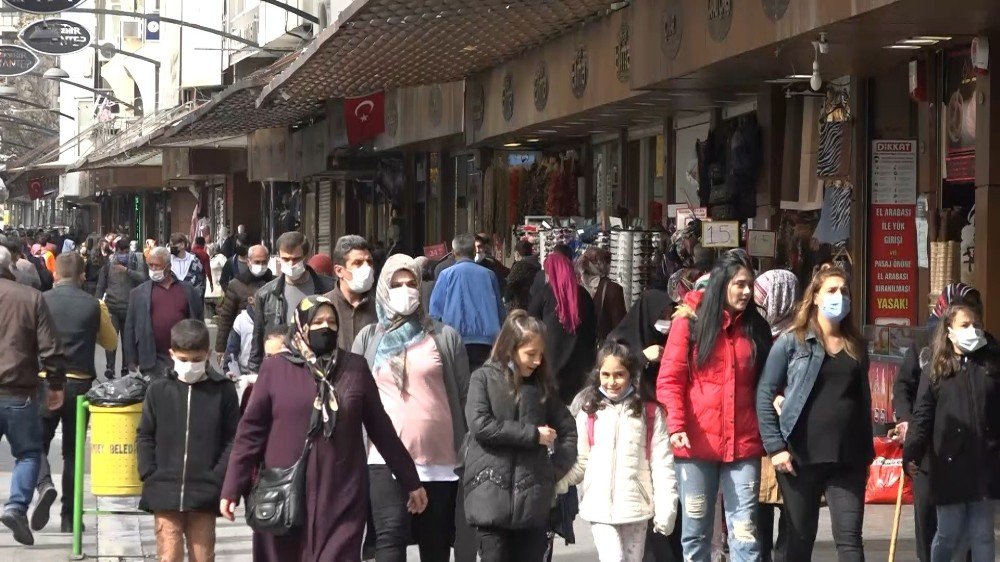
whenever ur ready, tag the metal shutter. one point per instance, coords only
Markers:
(324, 206)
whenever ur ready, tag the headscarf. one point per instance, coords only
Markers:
(562, 279)
(400, 331)
(775, 292)
(951, 294)
(68, 246)
(421, 263)
(322, 367)
(321, 263)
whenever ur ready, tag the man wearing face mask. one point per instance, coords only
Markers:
(275, 302)
(123, 272)
(244, 286)
(185, 265)
(353, 298)
(154, 308)
(83, 324)
(485, 258)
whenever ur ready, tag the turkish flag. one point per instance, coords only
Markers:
(364, 117)
(35, 189)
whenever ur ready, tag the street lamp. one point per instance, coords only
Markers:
(7, 91)
(60, 75)
(55, 73)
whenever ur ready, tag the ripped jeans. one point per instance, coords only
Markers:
(699, 483)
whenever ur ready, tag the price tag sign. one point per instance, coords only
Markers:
(761, 243)
(720, 234)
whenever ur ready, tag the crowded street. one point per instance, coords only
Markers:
(499, 280)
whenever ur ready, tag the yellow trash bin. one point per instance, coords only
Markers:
(114, 460)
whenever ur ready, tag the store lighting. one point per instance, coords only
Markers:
(903, 47)
(918, 41)
(799, 76)
(937, 38)
(55, 73)
(533, 140)
(547, 131)
(512, 145)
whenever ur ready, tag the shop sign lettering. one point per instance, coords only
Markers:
(55, 37)
(720, 18)
(892, 272)
(43, 6)
(113, 448)
(16, 60)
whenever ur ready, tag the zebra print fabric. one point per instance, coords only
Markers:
(831, 159)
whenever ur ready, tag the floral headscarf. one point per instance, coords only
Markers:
(400, 331)
(322, 367)
(775, 292)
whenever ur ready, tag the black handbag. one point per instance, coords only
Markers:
(277, 502)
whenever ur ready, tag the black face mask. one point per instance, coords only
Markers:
(323, 341)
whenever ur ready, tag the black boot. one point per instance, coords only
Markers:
(67, 525)
(18, 523)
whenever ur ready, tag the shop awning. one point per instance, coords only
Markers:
(377, 44)
(127, 141)
(234, 112)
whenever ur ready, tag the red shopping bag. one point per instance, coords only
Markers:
(885, 472)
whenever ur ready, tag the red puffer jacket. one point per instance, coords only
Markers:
(715, 404)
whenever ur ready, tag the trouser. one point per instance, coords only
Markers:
(466, 538)
(395, 528)
(962, 523)
(769, 549)
(924, 515)
(67, 415)
(478, 354)
(175, 528)
(620, 543)
(118, 320)
(663, 549)
(21, 425)
(844, 486)
(512, 545)
(699, 483)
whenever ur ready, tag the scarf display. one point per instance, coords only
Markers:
(322, 367)
(401, 332)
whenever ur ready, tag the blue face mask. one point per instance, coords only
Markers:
(628, 392)
(835, 307)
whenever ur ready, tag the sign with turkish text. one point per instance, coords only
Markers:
(16, 60)
(364, 117)
(892, 268)
(436, 252)
(894, 172)
(43, 6)
(55, 37)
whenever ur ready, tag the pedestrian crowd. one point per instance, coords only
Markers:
(358, 405)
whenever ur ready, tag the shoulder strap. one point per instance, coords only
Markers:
(651, 408)
(591, 420)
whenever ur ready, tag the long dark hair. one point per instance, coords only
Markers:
(94, 256)
(593, 400)
(710, 314)
(944, 361)
(517, 331)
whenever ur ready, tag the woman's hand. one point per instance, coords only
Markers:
(778, 401)
(417, 502)
(653, 353)
(680, 440)
(782, 462)
(228, 508)
(546, 435)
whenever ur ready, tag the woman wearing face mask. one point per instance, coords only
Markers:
(312, 390)
(822, 442)
(957, 424)
(422, 374)
(715, 350)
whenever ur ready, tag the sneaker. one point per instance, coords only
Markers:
(40, 517)
(18, 524)
(67, 526)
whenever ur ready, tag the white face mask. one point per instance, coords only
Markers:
(403, 301)
(969, 339)
(259, 269)
(157, 276)
(189, 372)
(361, 279)
(293, 272)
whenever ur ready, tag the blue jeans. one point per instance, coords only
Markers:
(21, 425)
(699, 483)
(964, 523)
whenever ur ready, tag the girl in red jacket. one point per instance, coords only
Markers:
(707, 382)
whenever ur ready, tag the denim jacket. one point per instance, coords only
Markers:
(791, 370)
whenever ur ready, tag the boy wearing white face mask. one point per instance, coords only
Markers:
(353, 299)
(422, 373)
(187, 429)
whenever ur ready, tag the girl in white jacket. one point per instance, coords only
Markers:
(625, 462)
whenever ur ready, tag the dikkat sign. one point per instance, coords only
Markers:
(892, 267)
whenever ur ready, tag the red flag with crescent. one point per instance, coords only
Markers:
(364, 117)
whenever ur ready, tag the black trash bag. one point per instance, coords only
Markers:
(124, 391)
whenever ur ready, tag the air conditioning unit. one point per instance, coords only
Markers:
(133, 30)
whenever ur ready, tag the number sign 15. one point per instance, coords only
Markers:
(720, 234)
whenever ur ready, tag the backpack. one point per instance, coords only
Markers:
(651, 408)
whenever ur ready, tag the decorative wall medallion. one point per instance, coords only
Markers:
(436, 105)
(391, 114)
(623, 59)
(775, 9)
(477, 101)
(507, 97)
(671, 27)
(541, 86)
(578, 75)
(720, 18)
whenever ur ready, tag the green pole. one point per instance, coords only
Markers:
(81, 438)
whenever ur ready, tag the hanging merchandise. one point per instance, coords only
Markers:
(833, 159)
(835, 217)
(562, 197)
(729, 163)
(632, 253)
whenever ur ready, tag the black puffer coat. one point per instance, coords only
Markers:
(509, 478)
(956, 423)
